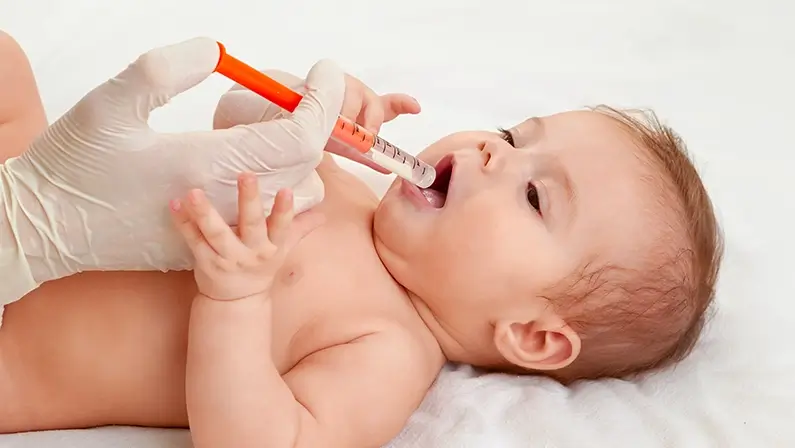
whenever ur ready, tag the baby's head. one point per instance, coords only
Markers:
(578, 245)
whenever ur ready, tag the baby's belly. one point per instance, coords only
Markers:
(97, 348)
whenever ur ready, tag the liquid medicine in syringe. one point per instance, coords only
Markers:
(383, 153)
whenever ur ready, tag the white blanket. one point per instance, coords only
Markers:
(720, 72)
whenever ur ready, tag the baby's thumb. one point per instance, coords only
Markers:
(396, 104)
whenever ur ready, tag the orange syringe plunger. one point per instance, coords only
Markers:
(345, 131)
(257, 82)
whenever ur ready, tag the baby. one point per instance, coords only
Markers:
(578, 245)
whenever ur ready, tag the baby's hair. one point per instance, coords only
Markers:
(649, 316)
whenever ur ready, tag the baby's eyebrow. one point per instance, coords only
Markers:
(529, 131)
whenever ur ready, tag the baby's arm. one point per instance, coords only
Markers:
(353, 394)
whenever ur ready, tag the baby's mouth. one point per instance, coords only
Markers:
(436, 194)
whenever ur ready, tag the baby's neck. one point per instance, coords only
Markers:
(452, 350)
(333, 176)
(455, 349)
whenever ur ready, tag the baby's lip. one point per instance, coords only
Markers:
(435, 196)
(414, 194)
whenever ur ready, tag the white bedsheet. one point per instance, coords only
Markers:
(720, 72)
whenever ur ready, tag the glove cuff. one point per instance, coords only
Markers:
(16, 277)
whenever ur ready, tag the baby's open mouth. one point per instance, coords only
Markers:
(436, 194)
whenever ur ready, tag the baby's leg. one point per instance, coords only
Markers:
(22, 116)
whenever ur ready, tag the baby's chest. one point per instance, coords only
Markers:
(329, 292)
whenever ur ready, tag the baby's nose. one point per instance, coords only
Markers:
(494, 154)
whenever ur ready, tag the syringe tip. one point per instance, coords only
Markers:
(427, 180)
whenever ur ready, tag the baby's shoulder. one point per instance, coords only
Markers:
(415, 345)
(369, 385)
(401, 341)
(388, 353)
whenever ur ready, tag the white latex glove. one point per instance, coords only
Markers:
(362, 105)
(92, 192)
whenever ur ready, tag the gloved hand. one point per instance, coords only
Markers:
(362, 105)
(92, 192)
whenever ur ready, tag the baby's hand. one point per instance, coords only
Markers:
(231, 264)
(369, 110)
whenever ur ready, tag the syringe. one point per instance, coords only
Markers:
(345, 131)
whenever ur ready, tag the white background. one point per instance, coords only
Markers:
(720, 72)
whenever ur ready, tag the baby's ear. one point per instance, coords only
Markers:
(546, 343)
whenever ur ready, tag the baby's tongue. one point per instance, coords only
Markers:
(435, 198)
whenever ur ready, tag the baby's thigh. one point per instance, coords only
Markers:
(22, 116)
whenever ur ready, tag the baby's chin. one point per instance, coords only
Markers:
(381, 236)
(387, 244)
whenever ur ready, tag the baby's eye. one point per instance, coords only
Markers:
(507, 136)
(532, 197)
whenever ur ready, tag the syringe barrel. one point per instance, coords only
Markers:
(383, 153)
(401, 163)
(345, 131)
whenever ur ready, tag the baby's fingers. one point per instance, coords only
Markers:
(188, 229)
(212, 226)
(281, 217)
(286, 229)
(395, 104)
(251, 214)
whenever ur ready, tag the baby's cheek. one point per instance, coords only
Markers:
(469, 235)
(512, 245)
